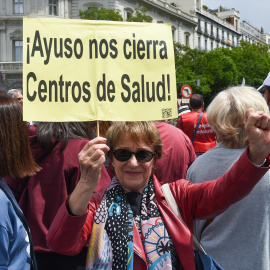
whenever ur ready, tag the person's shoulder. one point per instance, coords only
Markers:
(169, 130)
(77, 143)
(73, 148)
(188, 115)
(204, 115)
(209, 158)
(6, 208)
(205, 157)
(180, 184)
(163, 126)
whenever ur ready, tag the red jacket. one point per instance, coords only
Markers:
(68, 234)
(41, 197)
(205, 137)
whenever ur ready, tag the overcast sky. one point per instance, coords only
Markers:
(255, 12)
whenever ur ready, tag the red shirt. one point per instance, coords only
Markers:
(205, 138)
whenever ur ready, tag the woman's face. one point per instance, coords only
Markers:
(132, 174)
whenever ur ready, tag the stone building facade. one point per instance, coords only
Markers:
(12, 12)
(217, 29)
(192, 25)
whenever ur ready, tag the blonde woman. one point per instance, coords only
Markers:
(238, 238)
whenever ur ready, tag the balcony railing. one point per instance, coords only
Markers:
(218, 20)
(11, 67)
(178, 10)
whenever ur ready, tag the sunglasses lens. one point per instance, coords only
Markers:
(122, 154)
(144, 156)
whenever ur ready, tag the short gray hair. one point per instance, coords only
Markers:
(12, 91)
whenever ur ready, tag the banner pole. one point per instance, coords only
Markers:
(97, 128)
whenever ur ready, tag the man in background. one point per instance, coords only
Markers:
(16, 94)
(194, 124)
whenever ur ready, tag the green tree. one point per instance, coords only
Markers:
(215, 69)
(186, 61)
(219, 70)
(140, 16)
(222, 67)
(101, 14)
(253, 62)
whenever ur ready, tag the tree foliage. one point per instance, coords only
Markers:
(140, 16)
(253, 62)
(101, 14)
(114, 15)
(221, 68)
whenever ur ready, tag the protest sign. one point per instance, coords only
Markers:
(80, 70)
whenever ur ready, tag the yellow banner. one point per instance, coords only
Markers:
(80, 70)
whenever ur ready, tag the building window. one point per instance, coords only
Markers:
(222, 35)
(174, 33)
(199, 25)
(187, 35)
(212, 31)
(197, 4)
(18, 50)
(53, 7)
(18, 6)
(205, 27)
(187, 40)
(212, 46)
(199, 43)
(128, 13)
(205, 45)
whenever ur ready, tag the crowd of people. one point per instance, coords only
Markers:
(95, 202)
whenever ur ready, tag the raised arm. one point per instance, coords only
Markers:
(257, 126)
(91, 159)
(68, 234)
(211, 198)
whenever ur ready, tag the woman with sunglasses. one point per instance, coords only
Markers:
(130, 225)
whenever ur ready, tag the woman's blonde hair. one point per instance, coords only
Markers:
(146, 131)
(226, 114)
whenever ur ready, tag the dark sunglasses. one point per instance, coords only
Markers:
(124, 155)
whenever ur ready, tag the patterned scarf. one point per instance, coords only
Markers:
(111, 240)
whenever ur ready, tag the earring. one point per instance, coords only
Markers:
(112, 165)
